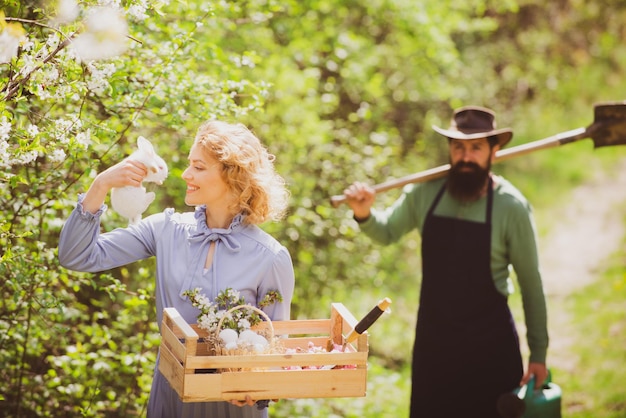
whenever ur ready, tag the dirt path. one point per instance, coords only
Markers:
(589, 228)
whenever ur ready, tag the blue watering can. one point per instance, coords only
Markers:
(526, 402)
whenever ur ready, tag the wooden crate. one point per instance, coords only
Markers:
(193, 373)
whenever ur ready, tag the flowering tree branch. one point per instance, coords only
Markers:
(13, 86)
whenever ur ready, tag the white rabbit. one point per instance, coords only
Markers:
(130, 201)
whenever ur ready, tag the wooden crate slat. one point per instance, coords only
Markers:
(173, 371)
(275, 385)
(302, 326)
(294, 384)
(295, 327)
(203, 388)
(172, 342)
(303, 342)
(276, 360)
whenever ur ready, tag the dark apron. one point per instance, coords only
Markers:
(466, 350)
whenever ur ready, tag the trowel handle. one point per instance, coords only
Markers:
(368, 320)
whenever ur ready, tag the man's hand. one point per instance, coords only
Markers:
(539, 370)
(360, 197)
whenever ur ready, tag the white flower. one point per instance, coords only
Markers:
(10, 39)
(57, 155)
(32, 130)
(104, 36)
(98, 81)
(5, 128)
(66, 12)
(138, 11)
(27, 45)
(5, 157)
(27, 157)
(205, 322)
(217, 312)
(203, 302)
(244, 323)
(50, 75)
(29, 64)
(110, 3)
(52, 41)
(233, 294)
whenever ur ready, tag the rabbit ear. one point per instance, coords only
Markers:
(144, 145)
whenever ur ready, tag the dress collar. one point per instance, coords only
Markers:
(205, 234)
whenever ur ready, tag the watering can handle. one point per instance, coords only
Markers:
(530, 386)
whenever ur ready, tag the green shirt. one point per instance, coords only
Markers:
(513, 242)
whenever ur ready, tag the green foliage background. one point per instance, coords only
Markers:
(339, 91)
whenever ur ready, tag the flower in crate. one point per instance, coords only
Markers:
(228, 319)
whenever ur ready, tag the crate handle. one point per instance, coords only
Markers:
(180, 323)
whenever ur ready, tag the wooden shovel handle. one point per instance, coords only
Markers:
(505, 154)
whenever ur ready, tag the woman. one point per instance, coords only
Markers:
(233, 185)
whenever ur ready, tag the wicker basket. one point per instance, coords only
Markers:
(267, 331)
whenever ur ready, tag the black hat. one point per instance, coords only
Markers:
(473, 122)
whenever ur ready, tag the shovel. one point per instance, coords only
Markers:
(608, 128)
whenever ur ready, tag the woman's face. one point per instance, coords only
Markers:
(205, 185)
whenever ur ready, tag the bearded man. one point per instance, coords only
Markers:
(474, 226)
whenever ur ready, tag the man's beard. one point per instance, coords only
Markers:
(467, 185)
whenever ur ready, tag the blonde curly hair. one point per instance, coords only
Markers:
(248, 170)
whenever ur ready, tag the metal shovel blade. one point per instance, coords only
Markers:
(609, 124)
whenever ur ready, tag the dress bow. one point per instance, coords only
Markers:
(201, 239)
(204, 234)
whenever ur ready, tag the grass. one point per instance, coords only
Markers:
(597, 388)
(595, 385)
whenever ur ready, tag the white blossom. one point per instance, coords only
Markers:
(205, 322)
(52, 41)
(66, 12)
(42, 92)
(115, 4)
(84, 138)
(104, 37)
(5, 128)
(138, 11)
(29, 64)
(62, 91)
(28, 45)
(50, 75)
(32, 131)
(98, 81)
(5, 158)
(57, 155)
(27, 157)
(233, 294)
(10, 39)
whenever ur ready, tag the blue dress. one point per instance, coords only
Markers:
(246, 259)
